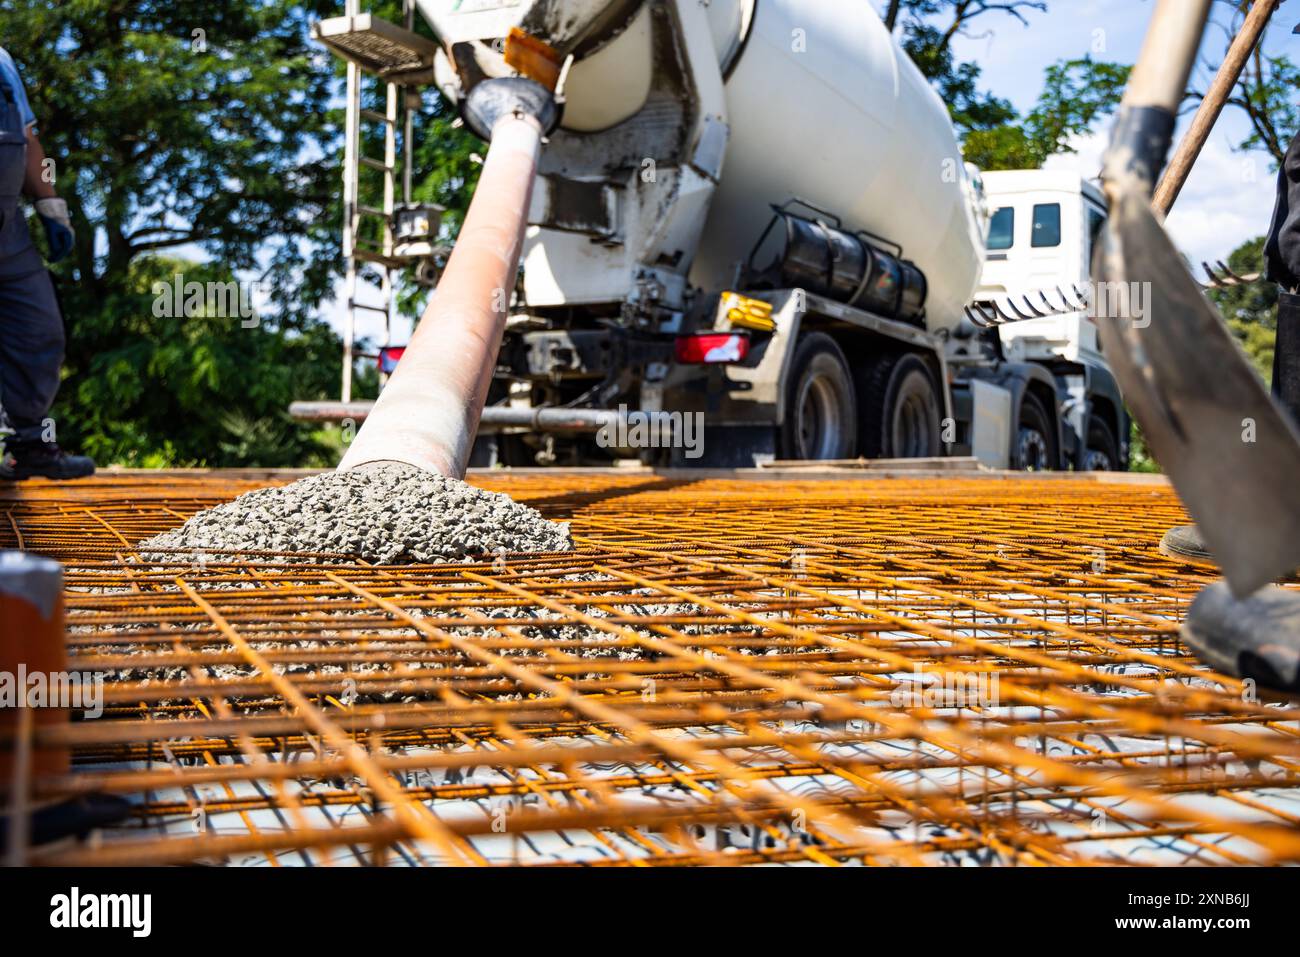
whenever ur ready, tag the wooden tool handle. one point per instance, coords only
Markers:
(1215, 99)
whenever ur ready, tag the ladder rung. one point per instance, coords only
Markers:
(376, 117)
(375, 164)
(388, 262)
(371, 211)
(395, 261)
(362, 305)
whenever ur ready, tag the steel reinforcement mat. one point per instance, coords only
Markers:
(905, 670)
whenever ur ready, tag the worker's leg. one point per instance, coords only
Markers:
(1286, 356)
(31, 353)
(1282, 258)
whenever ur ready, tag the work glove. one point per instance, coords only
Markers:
(58, 228)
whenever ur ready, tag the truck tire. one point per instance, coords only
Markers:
(1035, 446)
(821, 412)
(1102, 451)
(900, 409)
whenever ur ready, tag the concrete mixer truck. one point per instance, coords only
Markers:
(754, 215)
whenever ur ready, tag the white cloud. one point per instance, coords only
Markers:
(1086, 158)
(1228, 198)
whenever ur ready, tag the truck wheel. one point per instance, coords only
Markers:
(821, 413)
(1035, 449)
(1102, 454)
(900, 409)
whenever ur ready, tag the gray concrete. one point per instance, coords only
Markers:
(388, 514)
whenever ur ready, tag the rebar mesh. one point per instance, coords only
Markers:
(904, 670)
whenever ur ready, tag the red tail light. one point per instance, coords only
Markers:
(388, 357)
(711, 348)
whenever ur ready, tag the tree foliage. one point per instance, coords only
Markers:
(928, 28)
(1076, 93)
(184, 130)
(1265, 92)
(186, 124)
(201, 138)
(207, 389)
(1250, 309)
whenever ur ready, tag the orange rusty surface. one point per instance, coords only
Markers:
(726, 670)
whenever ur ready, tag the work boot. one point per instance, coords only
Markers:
(45, 460)
(1185, 541)
(73, 817)
(1256, 638)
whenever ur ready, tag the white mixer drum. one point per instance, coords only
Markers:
(825, 107)
(822, 105)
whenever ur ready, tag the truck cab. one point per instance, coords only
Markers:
(1042, 226)
(1041, 230)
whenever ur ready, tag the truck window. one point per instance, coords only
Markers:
(1002, 228)
(1047, 225)
(1096, 219)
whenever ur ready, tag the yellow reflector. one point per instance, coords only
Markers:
(747, 313)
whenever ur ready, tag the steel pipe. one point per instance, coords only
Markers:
(492, 419)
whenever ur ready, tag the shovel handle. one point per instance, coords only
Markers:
(1159, 78)
(1212, 105)
(1155, 89)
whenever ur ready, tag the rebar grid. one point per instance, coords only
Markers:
(902, 670)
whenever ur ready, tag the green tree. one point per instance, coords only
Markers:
(1250, 308)
(927, 30)
(183, 126)
(1265, 91)
(184, 123)
(210, 132)
(1076, 93)
(209, 389)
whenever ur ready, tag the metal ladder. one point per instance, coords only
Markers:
(396, 57)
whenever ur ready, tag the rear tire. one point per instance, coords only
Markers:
(1035, 449)
(900, 409)
(821, 412)
(1102, 452)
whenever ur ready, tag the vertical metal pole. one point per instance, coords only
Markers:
(351, 162)
(390, 199)
(408, 112)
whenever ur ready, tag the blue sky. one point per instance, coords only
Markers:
(1229, 196)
